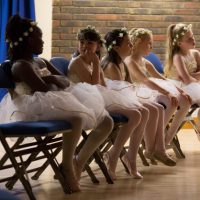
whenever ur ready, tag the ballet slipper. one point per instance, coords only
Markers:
(133, 172)
(164, 158)
(107, 160)
(151, 158)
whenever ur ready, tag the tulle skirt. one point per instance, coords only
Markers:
(192, 89)
(90, 97)
(167, 85)
(56, 105)
(117, 95)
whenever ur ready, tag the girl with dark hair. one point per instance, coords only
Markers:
(118, 48)
(86, 68)
(42, 93)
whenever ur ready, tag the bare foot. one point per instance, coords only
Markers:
(70, 179)
(108, 162)
(132, 170)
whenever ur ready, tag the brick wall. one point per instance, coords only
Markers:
(71, 15)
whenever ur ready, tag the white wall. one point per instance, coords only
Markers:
(43, 9)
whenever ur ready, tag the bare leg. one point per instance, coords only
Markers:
(151, 129)
(70, 141)
(159, 139)
(135, 141)
(160, 151)
(94, 140)
(169, 110)
(178, 118)
(126, 130)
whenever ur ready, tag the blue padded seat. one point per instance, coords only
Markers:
(6, 195)
(153, 58)
(118, 118)
(33, 128)
(61, 64)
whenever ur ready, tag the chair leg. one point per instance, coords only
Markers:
(99, 160)
(91, 174)
(46, 164)
(19, 170)
(55, 168)
(177, 148)
(5, 157)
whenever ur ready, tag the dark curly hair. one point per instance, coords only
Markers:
(17, 32)
(89, 33)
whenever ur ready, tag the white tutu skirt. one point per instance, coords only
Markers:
(193, 89)
(90, 97)
(167, 85)
(56, 105)
(117, 95)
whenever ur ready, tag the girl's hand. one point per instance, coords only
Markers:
(173, 99)
(187, 96)
(58, 80)
(91, 57)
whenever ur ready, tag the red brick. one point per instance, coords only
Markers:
(110, 17)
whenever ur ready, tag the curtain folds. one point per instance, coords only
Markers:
(25, 8)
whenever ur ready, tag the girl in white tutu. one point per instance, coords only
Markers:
(143, 71)
(183, 61)
(85, 67)
(119, 47)
(40, 94)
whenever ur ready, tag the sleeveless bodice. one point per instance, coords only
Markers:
(191, 66)
(143, 69)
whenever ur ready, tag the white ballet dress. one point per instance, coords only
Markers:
(191, 89)
(51, 105)
(154, 94)
(113, 98)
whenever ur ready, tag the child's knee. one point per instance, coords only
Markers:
(108, 123)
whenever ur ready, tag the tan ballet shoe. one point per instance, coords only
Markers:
(151, 158)
(164, 158)
(134, 173)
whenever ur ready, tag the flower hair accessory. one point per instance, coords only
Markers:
(181, 32)
(24, 34)
(140, 32)
(89, 28)
(122, 32)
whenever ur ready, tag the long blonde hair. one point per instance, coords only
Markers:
(174, 34)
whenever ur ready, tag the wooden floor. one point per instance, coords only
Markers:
(160, 182)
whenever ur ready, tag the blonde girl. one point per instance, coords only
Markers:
(142, 71)
(183, 61)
